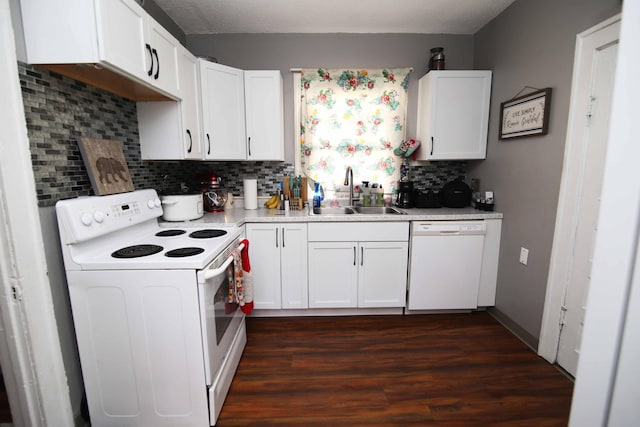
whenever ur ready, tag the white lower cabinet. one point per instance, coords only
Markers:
(382, 274)
(333, 275)
(278, 255)
(358, 265)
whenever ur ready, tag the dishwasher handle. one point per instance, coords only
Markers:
(448, 228)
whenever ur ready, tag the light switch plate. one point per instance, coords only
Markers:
(524, 255)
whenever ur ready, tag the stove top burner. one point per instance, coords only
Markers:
(183, 252)
(207, 233)
(170, 233)
(137, 251)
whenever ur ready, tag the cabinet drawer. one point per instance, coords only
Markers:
(359, 231)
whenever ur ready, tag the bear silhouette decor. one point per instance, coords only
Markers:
(106, 166)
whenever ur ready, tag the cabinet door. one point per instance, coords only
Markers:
(171, 130)
(222, 100)
(333, 274)
(264, 115)
(188, 92)
(264, 253)
(382, 278)
(134, 42)
(160, 129)
(293, 266)
(164, 49)
(122, 38)
(453, 114)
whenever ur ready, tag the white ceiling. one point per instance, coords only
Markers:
(332, 16)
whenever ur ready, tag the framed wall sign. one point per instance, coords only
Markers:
(527, 115)
(106, 166)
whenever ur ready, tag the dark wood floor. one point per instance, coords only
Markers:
(5, 410)
(437, 370)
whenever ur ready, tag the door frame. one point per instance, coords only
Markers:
(569, 197)
(30, 352)
(607, 388)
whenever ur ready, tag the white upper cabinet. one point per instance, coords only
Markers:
(223, 121)
(134, 42)
(170, 130)
(242, 113)
(164, 49)
(192, 146)
(264, 115)
(122, 37)
(453, 115)
(223, 114)
(116, 35)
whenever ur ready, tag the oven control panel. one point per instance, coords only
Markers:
(125, 209)
(85, 218)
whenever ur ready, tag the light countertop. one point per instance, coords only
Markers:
(240, 216)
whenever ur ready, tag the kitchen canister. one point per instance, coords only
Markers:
(250, 193)
(436, 62)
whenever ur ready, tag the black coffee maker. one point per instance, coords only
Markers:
(405, 188)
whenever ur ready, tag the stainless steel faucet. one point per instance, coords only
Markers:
(348, 180)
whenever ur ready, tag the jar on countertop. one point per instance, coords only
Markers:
(213, 194)
(436, 62)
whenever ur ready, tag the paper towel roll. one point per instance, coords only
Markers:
(250, 193)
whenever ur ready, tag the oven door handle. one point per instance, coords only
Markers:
(218, 271)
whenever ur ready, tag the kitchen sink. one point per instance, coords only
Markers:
(357, 210)
(342, 210)
(378, 210)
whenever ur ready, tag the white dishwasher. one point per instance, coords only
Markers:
(445, 264)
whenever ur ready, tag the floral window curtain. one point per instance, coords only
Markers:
(353, 118)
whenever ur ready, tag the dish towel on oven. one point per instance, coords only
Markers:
(247, 282)
(236, 287)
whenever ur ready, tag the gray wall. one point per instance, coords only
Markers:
(286, 51)
(152, 8)
(529, 44)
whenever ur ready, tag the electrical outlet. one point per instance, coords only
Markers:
(524, 255)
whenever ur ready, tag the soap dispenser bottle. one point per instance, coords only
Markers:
(366, 194)
(317, 198)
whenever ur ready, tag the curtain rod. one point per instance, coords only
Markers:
(298, 70)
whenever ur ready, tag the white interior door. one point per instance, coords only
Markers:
(588, 208)
(579, 202)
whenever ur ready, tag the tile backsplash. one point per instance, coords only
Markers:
(59, 111)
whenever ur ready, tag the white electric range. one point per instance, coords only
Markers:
(158, 335)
